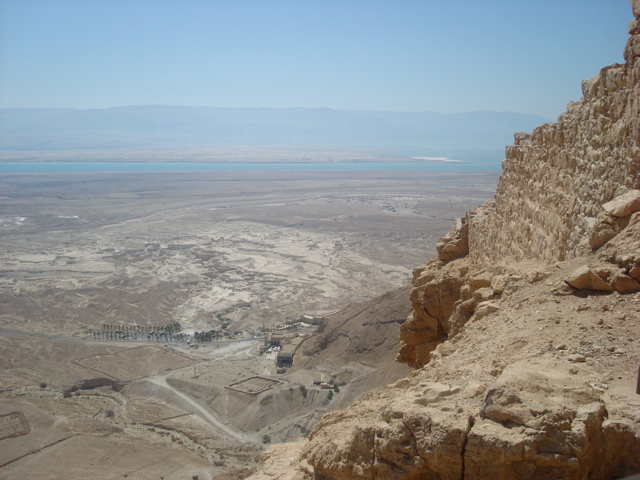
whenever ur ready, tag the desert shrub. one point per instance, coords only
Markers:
(266, 439)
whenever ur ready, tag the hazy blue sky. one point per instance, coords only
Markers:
(526, 56)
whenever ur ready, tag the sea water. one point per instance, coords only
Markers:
(112, 167)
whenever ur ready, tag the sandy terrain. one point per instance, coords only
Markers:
(247, 248)
(210, 250)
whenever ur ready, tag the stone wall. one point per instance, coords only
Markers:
(566, 190)
(556, 179)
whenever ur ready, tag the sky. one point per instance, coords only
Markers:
(525, 56)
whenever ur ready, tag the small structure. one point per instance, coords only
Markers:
(278, 339)
(311, 319)
(275, 339)
(284, 357)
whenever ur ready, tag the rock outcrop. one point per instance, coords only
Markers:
(524, 331)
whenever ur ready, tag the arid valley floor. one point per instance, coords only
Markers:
(223, 251)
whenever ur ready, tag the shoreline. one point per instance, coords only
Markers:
(7, 168)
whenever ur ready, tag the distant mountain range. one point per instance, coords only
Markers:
(462, 135)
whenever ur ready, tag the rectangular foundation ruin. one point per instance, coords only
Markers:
(253, 385)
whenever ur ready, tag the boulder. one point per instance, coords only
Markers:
(607, 225)
(485, 308)
(482, 280)
(454, 244)
(483, 294)
(624, 284)
(603, 231)
(499, 283)
(474, 389)
(624, 205)
(584, 279)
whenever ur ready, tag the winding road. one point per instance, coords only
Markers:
(232, 348)
(161, 380)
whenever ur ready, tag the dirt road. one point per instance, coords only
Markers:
(230, 350)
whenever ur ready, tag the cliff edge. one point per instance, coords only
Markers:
(525, 330)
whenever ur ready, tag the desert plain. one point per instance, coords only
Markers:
(86, 255)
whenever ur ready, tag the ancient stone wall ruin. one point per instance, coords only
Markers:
(556, 179)
(566, 190)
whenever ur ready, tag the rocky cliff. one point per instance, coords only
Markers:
(525, 331)
(356, 345)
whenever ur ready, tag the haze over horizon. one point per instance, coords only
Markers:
(411, 56)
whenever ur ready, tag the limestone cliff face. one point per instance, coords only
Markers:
(525, 330)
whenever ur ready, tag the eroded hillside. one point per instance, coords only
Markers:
(525, 331)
